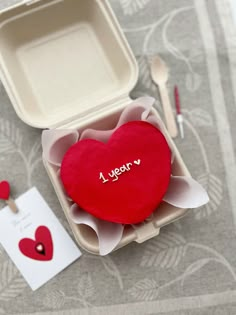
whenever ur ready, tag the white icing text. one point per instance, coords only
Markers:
(114, 174)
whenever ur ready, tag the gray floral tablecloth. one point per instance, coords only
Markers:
(191, 267)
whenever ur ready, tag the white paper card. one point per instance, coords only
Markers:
(35, 240)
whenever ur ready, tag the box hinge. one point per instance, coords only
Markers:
(145, 230)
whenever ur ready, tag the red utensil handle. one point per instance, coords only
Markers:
(177, 101)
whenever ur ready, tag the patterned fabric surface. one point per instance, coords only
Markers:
(191, 267)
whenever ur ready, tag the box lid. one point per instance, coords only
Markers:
(64, 60)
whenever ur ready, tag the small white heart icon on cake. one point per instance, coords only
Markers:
(137, 162)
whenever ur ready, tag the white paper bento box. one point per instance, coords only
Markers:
(67, 64)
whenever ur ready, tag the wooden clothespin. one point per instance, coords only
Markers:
(5, 195)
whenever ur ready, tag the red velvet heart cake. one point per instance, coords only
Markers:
(120, 181)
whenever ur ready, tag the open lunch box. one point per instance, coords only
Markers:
(66, 64)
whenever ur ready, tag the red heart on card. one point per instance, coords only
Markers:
(39, 249)
(122, 181)
(4, 190)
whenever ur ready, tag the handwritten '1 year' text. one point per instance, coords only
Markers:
(114, 174)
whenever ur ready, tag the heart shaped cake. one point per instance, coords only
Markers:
(123, 180)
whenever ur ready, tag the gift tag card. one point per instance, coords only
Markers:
(35, 239)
